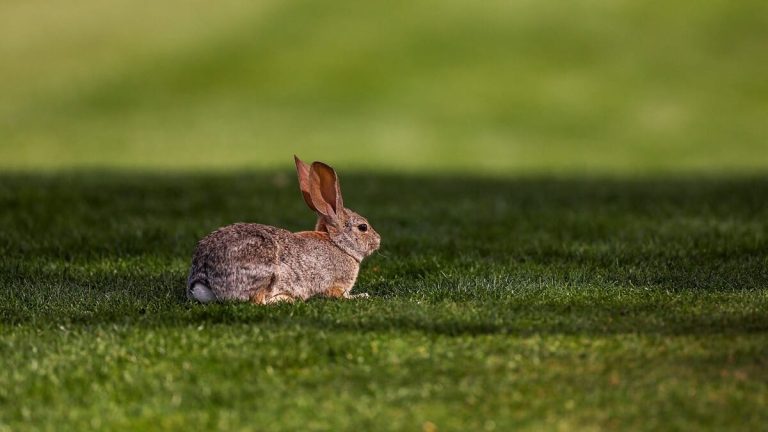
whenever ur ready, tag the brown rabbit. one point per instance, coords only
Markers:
(264, 264)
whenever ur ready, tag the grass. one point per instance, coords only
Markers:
(522, 303)
(572, 199)
(603, 86)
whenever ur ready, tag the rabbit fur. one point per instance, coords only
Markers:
(265, 264)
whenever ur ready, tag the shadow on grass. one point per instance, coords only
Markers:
(517, 320)
(511, 318)
(460, 255)
(527, 310)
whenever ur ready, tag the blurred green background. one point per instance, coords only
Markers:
(485, 87)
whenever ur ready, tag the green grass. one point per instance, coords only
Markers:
(527, 303)
(613, 86)
(571, 195)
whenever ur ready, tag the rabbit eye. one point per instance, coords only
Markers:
(362, 227)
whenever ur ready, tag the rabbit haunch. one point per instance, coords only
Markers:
(265, 264)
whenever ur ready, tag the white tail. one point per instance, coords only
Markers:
(201, 293)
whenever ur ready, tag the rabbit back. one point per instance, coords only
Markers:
(237, 261)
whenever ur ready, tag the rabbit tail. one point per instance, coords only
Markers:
(197, 288)
(200, 292)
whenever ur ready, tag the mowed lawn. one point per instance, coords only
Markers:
(572, 199)
(496, 304)
(614, 86)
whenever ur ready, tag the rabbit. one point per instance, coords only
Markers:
(263, 264)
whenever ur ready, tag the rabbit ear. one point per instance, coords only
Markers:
(302, 170)
(324, 190)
